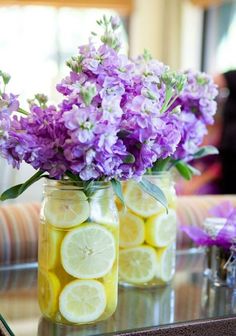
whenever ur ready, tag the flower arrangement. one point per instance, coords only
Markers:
(118, 119)
(219, 230)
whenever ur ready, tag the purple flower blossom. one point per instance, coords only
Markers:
(197, 111)
(117, 116)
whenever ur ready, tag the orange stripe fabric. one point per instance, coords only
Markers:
(19, 226)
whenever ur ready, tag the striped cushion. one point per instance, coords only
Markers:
(19, 225)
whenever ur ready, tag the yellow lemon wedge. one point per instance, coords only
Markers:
(82, 301)
(66, 208)
(166, 263)
(137, 264)
(49, 253)
(140, 202)
(88, 252)
(161, 229)
(132, 231)
(48, 292)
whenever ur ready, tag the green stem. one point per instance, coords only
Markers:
(23, 111)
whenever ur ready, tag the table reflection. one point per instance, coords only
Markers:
(190, 297)
(136, 307)
(212, 299)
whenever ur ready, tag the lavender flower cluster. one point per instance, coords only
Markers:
(116, 119)
(198, 107)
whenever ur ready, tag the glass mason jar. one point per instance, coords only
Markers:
(217, 257)
(147, 234)
(78, 252)
(217, 260)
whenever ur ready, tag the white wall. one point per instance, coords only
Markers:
(191, 36)
(170, 29)
(146, 27)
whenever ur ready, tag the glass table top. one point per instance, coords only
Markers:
(189, 298)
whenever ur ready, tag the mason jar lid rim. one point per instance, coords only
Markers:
(69, 184)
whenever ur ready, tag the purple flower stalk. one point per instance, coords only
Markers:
(198, 106)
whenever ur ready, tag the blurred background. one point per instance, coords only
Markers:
(38, 36)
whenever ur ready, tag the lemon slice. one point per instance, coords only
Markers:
(170, 195)
(48, 292)
(161, 229)
(137, 264)
(110, 282)
(166, 263)
(140, 202)
(132, 230)
(102, 209)
(82, 301)
(50, 240)
(66, 208)
(88, 251)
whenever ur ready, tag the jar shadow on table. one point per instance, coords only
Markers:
(137, 308)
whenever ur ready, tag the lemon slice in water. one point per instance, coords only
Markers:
(48, 288)
(166, 263)
(66, 208)
(161, 229)
(140, 202)
(49, 253)
(131, 229)
(137, 264)
(82, 301)
(88, 252)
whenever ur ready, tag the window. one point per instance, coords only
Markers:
(220, 46)
(35, 42)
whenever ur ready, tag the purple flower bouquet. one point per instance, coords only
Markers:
(117, 120)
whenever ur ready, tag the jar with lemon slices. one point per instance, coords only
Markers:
(147, 234)
(78, 250)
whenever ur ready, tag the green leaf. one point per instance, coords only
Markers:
(72, 176)
(116, 185)
(18, 189)
(186, 170)
(205, 151)
(154, 191)
(194, 170)
(161, 164)
(89, 188)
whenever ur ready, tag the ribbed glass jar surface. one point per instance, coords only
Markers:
(78, 253)
(147, 234)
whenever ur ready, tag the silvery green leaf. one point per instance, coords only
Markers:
(154, 191)
(205, 151)
(116, 185)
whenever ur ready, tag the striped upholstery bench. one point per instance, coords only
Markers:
(19, 225)
(18, 232)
